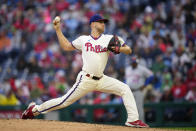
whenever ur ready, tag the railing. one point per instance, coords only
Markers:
(157, 111)
(66, 115)
(160, 110)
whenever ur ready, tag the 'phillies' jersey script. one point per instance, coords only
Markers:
(94, 52)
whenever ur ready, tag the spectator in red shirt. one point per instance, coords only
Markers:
(99, 114)
(162, 45)
(178, 89)
(191, 79)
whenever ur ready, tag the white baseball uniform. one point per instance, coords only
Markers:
(95, 56)
(135, 78)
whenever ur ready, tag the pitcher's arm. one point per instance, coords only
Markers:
(64, 42)
(125, 49)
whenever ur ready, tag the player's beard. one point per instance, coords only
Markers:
(134, 65)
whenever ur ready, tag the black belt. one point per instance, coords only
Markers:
(94, 77)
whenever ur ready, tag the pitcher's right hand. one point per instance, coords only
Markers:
(57, 22)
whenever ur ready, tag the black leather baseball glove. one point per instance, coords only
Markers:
(114, 45)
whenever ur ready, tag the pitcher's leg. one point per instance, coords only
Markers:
(80, 88)
(114, 86)
(71, 96)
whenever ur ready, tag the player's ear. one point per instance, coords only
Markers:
(91, 25)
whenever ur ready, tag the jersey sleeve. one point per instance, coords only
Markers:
(147, 73)
(77, 43)
(122, 42)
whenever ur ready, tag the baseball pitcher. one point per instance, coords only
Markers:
(95, 50)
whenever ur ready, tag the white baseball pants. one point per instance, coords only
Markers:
(86, 84)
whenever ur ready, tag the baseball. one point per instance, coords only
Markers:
(57, 20)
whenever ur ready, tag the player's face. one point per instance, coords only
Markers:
(134, 65)
(99, 26)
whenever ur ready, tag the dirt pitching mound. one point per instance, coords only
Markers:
(45, 125)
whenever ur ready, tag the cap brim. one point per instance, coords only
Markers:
(104, 20)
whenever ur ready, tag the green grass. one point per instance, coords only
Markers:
(182, 128)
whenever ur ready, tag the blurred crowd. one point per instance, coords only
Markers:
(33, 67)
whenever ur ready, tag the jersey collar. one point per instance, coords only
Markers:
(96, 38)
